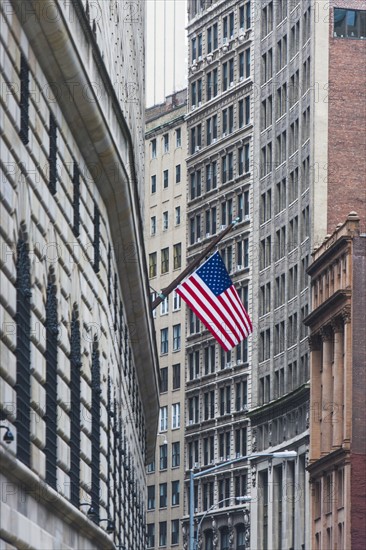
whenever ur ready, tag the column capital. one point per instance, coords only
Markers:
(326, 333)
(346, 314)
(338, 323)
(315, 342)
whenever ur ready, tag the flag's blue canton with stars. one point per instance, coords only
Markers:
(214, 274)
(210, 293)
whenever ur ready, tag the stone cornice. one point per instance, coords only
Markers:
(277, 407)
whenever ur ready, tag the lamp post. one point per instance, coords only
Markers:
(239, 499)
(281, 454)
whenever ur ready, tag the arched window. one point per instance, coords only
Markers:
(23, 351)
(240, 537)
(51, 382)
(209, 540)
(225, 543)
(75, 366)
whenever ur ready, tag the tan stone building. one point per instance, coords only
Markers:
(165, 237)
(78, 370)
(337, 458)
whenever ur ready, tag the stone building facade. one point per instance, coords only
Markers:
(79, 379)
(283, 36)
(220, 168)
(337, 458)
(165, 235)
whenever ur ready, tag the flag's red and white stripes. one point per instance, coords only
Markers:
(224, 315)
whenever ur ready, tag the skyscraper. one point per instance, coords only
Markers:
(220, 190)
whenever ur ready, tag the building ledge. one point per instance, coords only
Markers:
(35, 487)
(276, 407)
(316, 467)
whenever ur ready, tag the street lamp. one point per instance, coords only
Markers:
(239, 499)
(280, 454)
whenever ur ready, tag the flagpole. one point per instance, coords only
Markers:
(166, 291)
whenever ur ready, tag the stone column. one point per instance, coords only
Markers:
(338, 373)
(315, 345)
(327, 385)
(347, 373)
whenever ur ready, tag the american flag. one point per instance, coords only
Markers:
(210, 293)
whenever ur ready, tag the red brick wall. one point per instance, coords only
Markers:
(347, 124)
(358, 501)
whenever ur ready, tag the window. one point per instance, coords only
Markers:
(209, 40)
(241, 443)
(164, 306)
(193, 410)
(175, 531)
(164, 379)
(267, 66)
(153, 184)
(150, 535)
(196, 139)
(176, 301)
(178, 137)
(151, 467)
(195, 229)
(199, 43)
(175, 493)
(24, 100)
(163, 456)
(153, 225)
(164, 341)
(175, 454)
(215, 36)
(281, 53)
(177, 256)
(194, 323)
(163, 417)
(153, 148)
(177, 174)
(176, 376)
(152, 264)
(177, 215)
(209, 405)
(194, 364)
(151, 497)
(176, 337)
(76, 199)
(241, 395)
(193, 49)
(166, 143)
(162, 531)
(210, 359)
(165, 221)
(52, 159)
(165, 260)
(267, 19)
(165, 178)
(349, 23)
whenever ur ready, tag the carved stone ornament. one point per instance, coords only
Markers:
(326, 333)
(315, 342)
(346, 314)
(337, 324)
